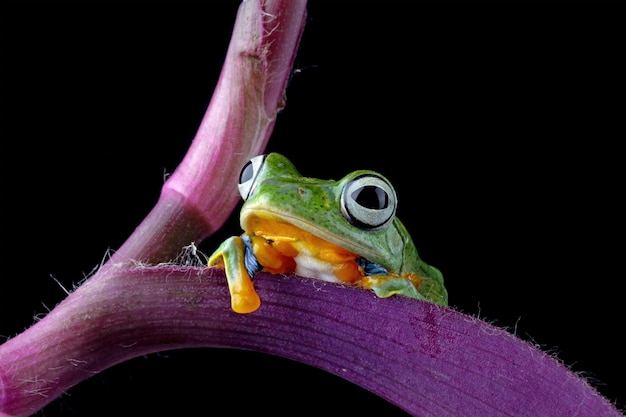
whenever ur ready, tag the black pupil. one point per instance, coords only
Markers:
(246, 173)
(371, 197)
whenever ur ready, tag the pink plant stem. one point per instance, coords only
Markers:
(201, 193)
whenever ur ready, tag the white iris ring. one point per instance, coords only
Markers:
(248, 176)
(367, 217)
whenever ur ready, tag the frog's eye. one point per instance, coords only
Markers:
(248, 174)
(368, 202)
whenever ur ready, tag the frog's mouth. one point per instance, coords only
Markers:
(278, 226)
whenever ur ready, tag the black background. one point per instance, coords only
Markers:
(499, 125)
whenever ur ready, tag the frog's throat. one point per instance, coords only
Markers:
(247, 214)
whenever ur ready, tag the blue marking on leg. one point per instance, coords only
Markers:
(370, 268)
(252, 264)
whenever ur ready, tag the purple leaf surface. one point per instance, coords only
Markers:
(427, 359)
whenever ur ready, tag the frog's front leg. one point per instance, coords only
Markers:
(231, 255)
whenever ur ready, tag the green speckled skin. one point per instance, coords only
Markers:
(314, 205)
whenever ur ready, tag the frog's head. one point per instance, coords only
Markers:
(356, 212)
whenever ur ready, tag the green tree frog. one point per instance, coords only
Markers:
(340, 231)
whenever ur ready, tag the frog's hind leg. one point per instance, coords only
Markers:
(231, 255)
(386, 285)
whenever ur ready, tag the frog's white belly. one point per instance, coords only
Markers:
(309, 266)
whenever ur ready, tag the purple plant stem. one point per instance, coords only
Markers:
(426, 359)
